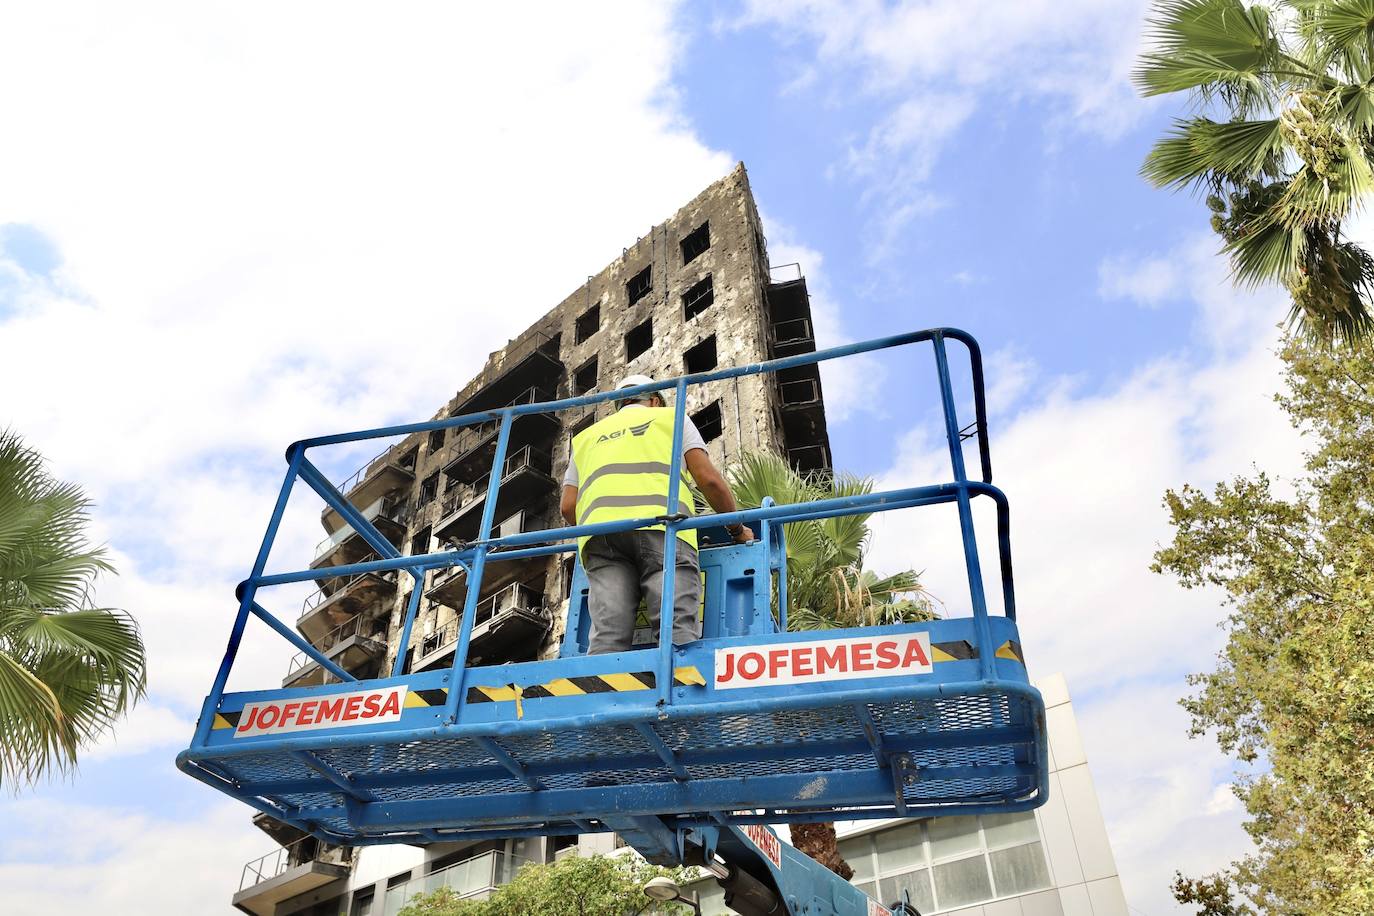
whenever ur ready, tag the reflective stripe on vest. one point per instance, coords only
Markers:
(622, 471)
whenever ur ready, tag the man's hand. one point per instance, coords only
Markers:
(742, 534)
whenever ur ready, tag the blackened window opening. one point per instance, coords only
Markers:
(640, 285)
(702, 357)
(695, 243)
(408, 459)
(588, 322)
(583, 423)
(639, 339)
(708, 421)
(699, 298)
(429, 488)
(584, 379)
(419, 544)
(436, 440)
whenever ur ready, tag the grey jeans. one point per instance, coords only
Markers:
(621, 568)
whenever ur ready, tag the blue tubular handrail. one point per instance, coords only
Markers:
(474, 556)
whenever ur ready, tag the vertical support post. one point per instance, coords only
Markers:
(479, 565)
(247, 592)
(956, 457)
(665, 608)
(412, 608)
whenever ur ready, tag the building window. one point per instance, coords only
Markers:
(450, 482)
(584, 379)
(588, 322)
(702, 357)
(429, 488)
(419, 545)
(697, 242)
(708, 422)
(639, 339)
(951, 862)
(362, 904)
(436, 440)
(550, 346)
(640, 285)
(408, 459)
(698, 299)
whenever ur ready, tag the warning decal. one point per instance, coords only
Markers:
(823, 660)
(767, 841)
(337, 710)
(877, 909)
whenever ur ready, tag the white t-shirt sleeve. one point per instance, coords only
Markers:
(691, 438)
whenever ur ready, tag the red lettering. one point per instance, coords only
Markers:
(307, 715)
(371, 706)
(744, 661)
(351, 707)
(252, 718)
(274, 711)
(801, 662)
(834, 659)
(289, 712)
(887, 655)
(915, 653)
(329, 710)
(777, 658)
(862, 652)
(392, 704)
(729, 671)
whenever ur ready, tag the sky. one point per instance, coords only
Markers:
(225, 227)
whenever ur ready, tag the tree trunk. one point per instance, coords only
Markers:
(818, 842)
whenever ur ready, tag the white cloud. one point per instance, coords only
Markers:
(1008, 375)
(1149, 282)
(149, 727)
(1085, 471)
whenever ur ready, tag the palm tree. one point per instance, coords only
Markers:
(67, 670)
(827, 585)
(1291, 155)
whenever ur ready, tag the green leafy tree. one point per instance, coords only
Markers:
(1281, 142)
(572, 886)
(1292, 696)
(68, 671)
(827, 584)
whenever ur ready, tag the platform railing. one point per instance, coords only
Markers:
(276, 862)
(475, 555)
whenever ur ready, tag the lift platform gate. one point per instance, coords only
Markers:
(750, 725)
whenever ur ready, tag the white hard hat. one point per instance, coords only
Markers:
(634, 381)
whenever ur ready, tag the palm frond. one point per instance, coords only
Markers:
(1216, 49)
(1339, 33)
(1201, 150)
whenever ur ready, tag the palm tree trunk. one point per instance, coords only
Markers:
(818, 841)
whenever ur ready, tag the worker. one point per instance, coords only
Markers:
(618, 471)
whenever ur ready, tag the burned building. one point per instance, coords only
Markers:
(694, 294)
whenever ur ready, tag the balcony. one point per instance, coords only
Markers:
(388, 514)
(449, 585)
(473, 879)
(510, 622)
(392, 470)
(360, 642)
(526, 476)
(809, 459)
(792, 337)
(476, 446)
(287, 872)
(532, 363)
(342, 600)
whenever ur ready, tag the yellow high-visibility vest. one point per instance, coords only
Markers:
(622, 470)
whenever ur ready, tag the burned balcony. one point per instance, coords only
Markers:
(392, 470)
(357, 646)
(507, 626)
(533, 363)
(527, 475)
(476, 446)
(449, 585)
(388, 514)
(342, 599)
(290, 871)
(792, 337)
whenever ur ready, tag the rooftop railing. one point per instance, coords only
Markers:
(386, 456)
(784, 273)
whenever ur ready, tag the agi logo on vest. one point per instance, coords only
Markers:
(639, 430)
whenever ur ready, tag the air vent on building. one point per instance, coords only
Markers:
(708, 421)
(698, 299)
(588, 323)
(698, 241)
(640, 285)
(702, 357)
(639, 339)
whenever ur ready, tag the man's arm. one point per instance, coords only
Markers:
(567, 504)
(715, 489)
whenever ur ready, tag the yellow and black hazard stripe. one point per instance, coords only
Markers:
(226, 720)
(622, 682)
(1010, 649)
(414, 699)
(958, 651)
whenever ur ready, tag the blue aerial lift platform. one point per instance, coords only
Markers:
(689, 751)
